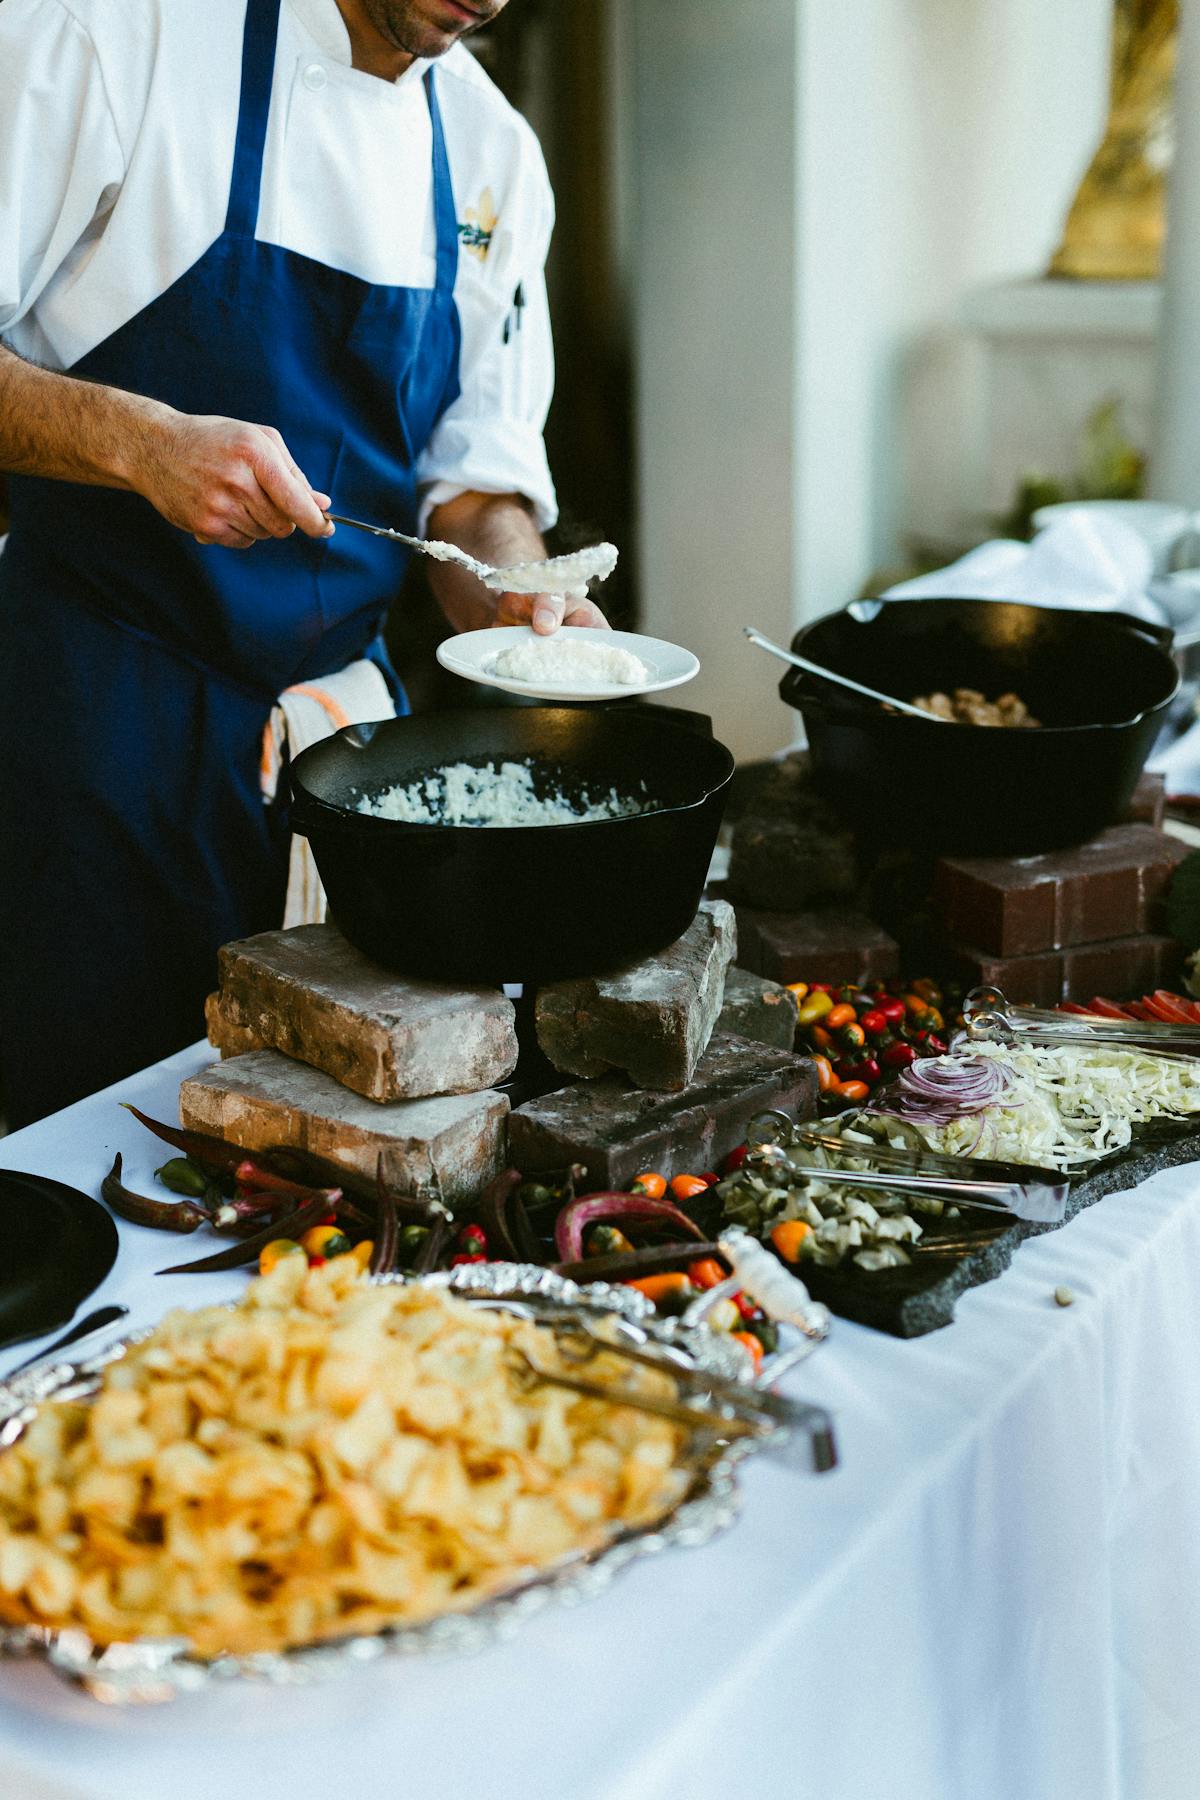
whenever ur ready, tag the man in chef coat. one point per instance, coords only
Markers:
(256, 259)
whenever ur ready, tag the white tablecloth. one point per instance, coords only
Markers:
(995, 1597)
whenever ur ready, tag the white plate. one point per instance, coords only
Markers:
(472, 653)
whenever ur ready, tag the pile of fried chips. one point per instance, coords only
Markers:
(324, 1459)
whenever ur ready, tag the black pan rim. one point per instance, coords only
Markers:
(70, 1296)
(1156, 638)
(852, 716)
(329, 812)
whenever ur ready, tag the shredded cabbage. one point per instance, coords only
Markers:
(1070, 1104)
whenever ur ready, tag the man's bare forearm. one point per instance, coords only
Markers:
(72, 430)
(493, 528)
(224, 480)
(497, 529)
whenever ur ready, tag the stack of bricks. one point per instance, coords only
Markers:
(1068, 925)
(326, 1052)
(678, 1052)
(814, 904)
(662, 1063)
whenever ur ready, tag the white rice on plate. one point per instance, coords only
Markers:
(570, 662)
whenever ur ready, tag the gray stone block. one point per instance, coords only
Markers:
(653, 1020)
(616, 1131)
(265, 1099)
(758, 1009)
(311, 995)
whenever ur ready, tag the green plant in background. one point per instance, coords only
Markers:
(1110, 468)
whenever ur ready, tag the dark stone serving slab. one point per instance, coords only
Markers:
(912, 1301)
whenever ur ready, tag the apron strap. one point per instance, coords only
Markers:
(444, 209)
(254, 108)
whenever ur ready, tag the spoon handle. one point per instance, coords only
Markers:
(91, 1322)
(856, 687)
(434, 548)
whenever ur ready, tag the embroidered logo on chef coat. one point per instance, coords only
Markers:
(478, 228)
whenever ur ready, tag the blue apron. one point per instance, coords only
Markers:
(138, 668)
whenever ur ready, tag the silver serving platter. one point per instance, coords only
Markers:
(155, 1670)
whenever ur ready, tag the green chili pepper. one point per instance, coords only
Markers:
(183, 1176)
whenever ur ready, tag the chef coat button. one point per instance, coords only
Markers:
(315, 77)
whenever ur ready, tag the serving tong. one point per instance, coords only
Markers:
(794, 1430)
(1040, 1199)
(991, 1018)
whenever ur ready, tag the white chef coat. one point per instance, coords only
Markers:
(117, 123)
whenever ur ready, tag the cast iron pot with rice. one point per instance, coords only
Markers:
(525, 903)
(1100, 683)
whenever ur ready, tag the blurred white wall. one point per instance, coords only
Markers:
(808, 189)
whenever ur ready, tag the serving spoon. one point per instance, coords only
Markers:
(568, 575)
(90, 1323)
(856, 687)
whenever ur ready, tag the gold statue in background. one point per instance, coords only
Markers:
(1117, 225)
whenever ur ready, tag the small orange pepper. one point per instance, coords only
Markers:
(799, 988)
(788, 1236)
(658, 1287)
(854, 1091)
(326, 1241)
(819, 1038)
(686, 1187)
(362, 1253)
(826, 1079)
(652, 1185)
(749, 1342)
(706, 1273)
(839, 1016)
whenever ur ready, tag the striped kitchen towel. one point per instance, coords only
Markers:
(303, 715)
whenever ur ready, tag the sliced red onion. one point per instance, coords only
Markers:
(941, 1089)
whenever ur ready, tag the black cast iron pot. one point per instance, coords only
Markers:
(525, 903)
(1101, 683)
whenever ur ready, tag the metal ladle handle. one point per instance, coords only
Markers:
(855, 687)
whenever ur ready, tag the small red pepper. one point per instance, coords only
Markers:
(898, 1056)
(745, 1306)
(892, 1009)
(874, 1023)
(456, 1262)
(736, 1158)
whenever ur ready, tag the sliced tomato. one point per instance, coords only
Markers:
(1156, 1010)
(1070, 1006)
(1175, 1008)
(1108, 1009)
(1137, 1009)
